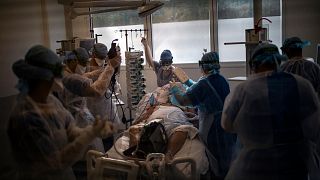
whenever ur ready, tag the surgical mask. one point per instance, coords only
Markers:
(80, 69)
(100, 62)
(166, 68)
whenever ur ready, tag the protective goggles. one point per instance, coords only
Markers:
(165, 63)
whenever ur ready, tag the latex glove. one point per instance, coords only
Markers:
(189, 82)
(102, 128)
(97, 126)
(173, 87)
(108, 130)
(115, 62)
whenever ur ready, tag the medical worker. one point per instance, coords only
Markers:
(276, 117)
(163, 68)
(297, 64)
(99, 53)
(44, 139)
(74, 94)
(78, 88)
(208, 95)
(104, 105)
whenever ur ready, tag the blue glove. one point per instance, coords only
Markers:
(173, 91)
(189, 83)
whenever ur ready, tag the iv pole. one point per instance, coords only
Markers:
(128, 50)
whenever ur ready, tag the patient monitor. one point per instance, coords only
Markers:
(100, 168)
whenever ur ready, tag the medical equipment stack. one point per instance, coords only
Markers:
(135, 78)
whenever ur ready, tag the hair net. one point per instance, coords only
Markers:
(295, 43)
(40, 63)
(265, 54)
(166, 56)
(210, 62)
(69, 57)
(100, 50)
(82, 55)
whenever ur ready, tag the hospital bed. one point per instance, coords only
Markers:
(188, 163)
(101, 167)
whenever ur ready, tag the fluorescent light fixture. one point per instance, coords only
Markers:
(149, 8)
(144, 8)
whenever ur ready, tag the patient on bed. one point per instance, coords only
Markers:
(157, 106)
(182, 136)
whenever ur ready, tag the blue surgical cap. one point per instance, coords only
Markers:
(100, 50)
(39, 55)
(70, 56)
(166, 55)
(295, 43)
(265, 54)
(81, 55)
(210, 61)
(42, 57)
(39, 63)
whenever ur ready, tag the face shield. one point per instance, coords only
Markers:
(266, 55)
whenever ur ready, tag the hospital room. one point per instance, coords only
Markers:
(160, 90)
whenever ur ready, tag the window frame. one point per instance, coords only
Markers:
(213, 20)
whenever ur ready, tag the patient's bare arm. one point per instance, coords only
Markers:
(176, 141)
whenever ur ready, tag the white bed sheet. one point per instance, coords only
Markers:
(192, 148)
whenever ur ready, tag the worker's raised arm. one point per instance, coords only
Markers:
(85, 87)
(148, 54)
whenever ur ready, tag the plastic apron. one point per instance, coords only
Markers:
(290, 154)
(219, 144)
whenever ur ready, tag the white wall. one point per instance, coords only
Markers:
(22, 27)
(56, 23)
(302, 19)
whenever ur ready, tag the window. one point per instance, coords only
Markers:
(234, 16)
(183, 27)
(109, 26)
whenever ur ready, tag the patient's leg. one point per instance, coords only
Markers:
(176, 141)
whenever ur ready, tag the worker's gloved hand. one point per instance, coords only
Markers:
(97, 126)
(189, 82)
(108, 130)
(174, 87)
(115, 62)
(102, 128)
(174, 90)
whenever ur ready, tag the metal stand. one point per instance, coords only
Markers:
(135, 80)
(131, 30)
(131, 57)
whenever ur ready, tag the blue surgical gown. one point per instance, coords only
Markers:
(210, 104)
